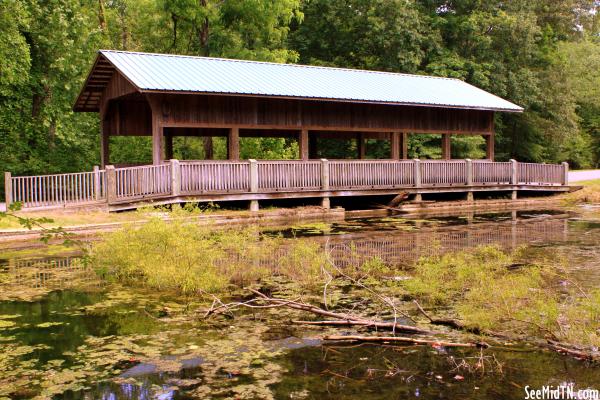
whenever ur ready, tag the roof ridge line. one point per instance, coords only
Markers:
(279, 64)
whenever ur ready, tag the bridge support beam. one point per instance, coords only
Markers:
(303, 144)
(489, 147)
(446, 148)
(404, 145)
(157, 143)
(361, 147)
(233, 144)
(398, 146)
(395, 143)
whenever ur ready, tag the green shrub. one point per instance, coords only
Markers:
(180, 255)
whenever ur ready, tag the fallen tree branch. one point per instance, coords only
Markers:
(265, 301)
(366, 323)
(338, 319)
(565, 348)
(551, 344)
(451, 323)
(402, 339)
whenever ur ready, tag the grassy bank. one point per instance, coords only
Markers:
(589, 194)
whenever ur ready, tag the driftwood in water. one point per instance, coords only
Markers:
(401, 339)
(264, 301)
(398, 199)
(339, 319)
(342, 319)
(368, 324)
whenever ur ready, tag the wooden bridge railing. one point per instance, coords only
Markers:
(496, 173)
(281, 176)
(175, 178)
(349, 174)
(531, 173)
(210, 176)
(55, 190)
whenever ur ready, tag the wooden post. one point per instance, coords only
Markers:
(233, 144)
(8, 189)
(97, 187)
(395, 143)
(325, 202)
(169, 146)
(104, 147)
(446, 148)
(469, 167)
(303, 145)
(489, 147)
(253, 183)
(404, 145)
(417, 177)
(175, 177)
(417, 172)
(513, 172)
(469, 180)
(514, 177)
(157, 140)
(111, 184)
(360, 146)
(565, 178)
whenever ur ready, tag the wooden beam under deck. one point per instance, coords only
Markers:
(489, 147)
(446, 147)
(213, 197)
(233, 144)
(303, 144)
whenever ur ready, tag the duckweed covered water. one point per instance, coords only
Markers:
(65, 334)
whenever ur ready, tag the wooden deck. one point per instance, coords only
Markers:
(197, 181)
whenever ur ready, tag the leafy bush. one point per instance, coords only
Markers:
(180, 255)
(490, 289)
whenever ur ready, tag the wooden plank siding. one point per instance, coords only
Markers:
(125, 110)
(253, 113)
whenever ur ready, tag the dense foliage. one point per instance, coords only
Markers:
(542, 55)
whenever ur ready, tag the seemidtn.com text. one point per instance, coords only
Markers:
(561, 392)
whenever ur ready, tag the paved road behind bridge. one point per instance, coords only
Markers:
(587, 175)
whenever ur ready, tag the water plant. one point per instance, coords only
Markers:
(180, 255)
(495, 291)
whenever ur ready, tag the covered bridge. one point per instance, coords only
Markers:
(170, 95)
(164, 96)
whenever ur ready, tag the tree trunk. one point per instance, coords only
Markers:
(101, 16)
(203, 33)
(174, 19)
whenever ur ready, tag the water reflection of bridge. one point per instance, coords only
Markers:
(393, 247)
(406, 247)
(29, 278)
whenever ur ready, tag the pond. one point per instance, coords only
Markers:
(66, 334)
